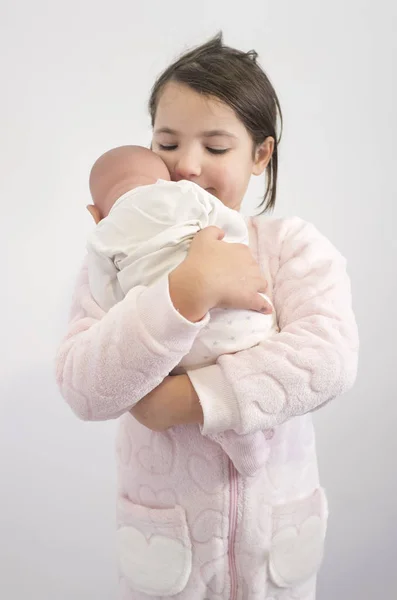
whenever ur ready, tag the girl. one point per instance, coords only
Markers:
(189, 525)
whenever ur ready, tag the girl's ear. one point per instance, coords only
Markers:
(263, 154)
(94, 212)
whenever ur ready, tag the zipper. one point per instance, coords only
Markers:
(232, 529)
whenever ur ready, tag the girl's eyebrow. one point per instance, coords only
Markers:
(212, 133)
(166, 130)
(218, 132)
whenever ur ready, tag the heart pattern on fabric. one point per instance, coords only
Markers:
(162, 498)
(202, 473)
(158, 457)
(213, 573)
(209, 523)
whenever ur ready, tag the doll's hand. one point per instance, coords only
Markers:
(94, 212)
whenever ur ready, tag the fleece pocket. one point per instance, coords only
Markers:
(154, 548)
(298, 536)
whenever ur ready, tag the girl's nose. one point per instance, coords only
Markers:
(187, 166)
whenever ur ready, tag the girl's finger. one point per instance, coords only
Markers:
(213, 232)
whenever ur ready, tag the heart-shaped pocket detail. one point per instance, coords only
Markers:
(296, 553)
(140, 558)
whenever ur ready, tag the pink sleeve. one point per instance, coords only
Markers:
(109, 361)
(311, 361)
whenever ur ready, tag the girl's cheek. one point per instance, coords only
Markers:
(222, 172)
(226, 177)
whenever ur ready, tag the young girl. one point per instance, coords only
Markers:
(189, 525)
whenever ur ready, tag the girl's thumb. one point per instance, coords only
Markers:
(214, 233)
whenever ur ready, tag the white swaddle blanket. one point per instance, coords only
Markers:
(146, 235)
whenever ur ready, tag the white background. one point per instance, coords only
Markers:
(75, 79)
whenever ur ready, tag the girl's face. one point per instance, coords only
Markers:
(201, 139)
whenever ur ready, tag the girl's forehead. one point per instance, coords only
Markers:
(181, 108)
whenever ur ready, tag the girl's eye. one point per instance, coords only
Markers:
(171, 147)
(218, 150)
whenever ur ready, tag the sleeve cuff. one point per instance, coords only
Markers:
(161, 319)
(217, 399)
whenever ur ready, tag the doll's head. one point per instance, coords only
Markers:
(120, 170)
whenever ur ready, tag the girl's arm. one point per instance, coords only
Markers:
(314, 357)
(109, 361)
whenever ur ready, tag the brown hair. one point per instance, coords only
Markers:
(237, 80)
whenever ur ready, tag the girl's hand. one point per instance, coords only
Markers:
(217, 274)
(173, 402)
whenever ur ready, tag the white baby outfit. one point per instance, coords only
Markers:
(146, 235)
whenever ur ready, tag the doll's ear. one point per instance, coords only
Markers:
(94, 212)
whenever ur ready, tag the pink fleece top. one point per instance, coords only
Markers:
(190, 525)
